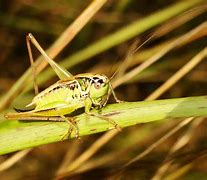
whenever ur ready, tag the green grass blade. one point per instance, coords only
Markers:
(15, 135)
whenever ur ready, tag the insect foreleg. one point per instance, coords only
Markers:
(113, 93)
(88, 105)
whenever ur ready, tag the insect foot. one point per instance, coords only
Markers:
(120, 101)
(116, 126)
(72, 127)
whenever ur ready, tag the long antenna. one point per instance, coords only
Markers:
(131, 54)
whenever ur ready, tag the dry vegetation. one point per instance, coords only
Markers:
(169, 64)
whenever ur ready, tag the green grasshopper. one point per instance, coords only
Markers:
(70, 93)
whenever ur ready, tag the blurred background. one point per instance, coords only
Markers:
(46, 20)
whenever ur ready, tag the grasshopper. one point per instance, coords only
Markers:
(70, 93)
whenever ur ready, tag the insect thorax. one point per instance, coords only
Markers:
(99, 89)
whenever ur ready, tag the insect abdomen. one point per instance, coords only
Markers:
(58, 97)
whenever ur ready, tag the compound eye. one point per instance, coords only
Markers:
(97, 85)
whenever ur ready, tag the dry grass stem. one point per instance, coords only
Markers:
(179, 74)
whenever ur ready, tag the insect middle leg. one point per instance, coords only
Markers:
(88, 105)
(72, 124)
(116, 126)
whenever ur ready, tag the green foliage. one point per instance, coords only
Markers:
(16, 135)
